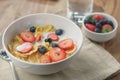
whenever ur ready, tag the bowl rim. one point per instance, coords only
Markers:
(104, 14)
(30, 63)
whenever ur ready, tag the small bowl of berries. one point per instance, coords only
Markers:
(99, 27)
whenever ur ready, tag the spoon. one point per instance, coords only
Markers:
(77, 18)
(4, 56)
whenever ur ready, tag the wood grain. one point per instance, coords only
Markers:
(111, 7)
(13, 9)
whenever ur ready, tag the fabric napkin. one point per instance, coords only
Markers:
(92, 63)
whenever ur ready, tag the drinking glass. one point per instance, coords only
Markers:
(77, 9)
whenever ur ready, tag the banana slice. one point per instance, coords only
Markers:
(39, 30)
(10, 48)
(70, 52)
(48, 28)
(47, 45)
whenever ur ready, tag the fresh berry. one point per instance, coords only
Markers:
(66, 44)
(98, 30)
(32, 29)
(42, 49)
(91, 27)
(59, 32)
(45, 59)
(25, 47)
(98, 25)
(53, 36)
(57, 54)
(107, 28)
(110, 22)
(98, 17)
(94, 22)
(89, 20)
(54, 45)
(102, 22)
(48, 40)
(27, 36)
(37, 38)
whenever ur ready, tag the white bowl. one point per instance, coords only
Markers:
(71, 29)
(100, 37)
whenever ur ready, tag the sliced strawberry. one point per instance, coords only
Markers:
(66, 44)
(37, 38)
(57, 54)
(27, 36)
(91, 27)
(25, 47)
(53, 36)
(45, 59)
(107, 28)
(98, 17)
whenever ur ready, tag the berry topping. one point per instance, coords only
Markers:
(27, 36)
(98, 30)
(66, 44)
(37, 38)
(59, 32)
(53, 36)
(110, 22)
(54, 45)
(57, 54)
(45, 59)
(48, 40)
(25, 47)
(98, 17)
(42, 49)
(90, 26)
(32, 29)
(102, 22)
(107, 28)
(98, 25)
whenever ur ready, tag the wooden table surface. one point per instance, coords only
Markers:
(13, 9)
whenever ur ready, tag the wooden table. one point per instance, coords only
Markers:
(12, 9)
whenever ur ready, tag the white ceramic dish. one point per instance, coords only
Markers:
(23, 23)
(100, 37)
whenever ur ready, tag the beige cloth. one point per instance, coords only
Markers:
(93, 63)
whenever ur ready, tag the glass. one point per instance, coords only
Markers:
(76, 9)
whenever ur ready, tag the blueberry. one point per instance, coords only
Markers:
(48, 40)
(102, 22)
(110, 22)
(98, 25)
(59, 32)
(42, 49)
(32, 29)
(89, 20)
(54, 45)
(94, 22)
(97, 30)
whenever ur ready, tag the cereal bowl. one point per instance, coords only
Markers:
(70, 28)
(100, 37)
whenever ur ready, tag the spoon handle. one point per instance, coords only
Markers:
(15, 77)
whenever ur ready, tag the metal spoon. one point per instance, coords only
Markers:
(4, 56)
(77, 18)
